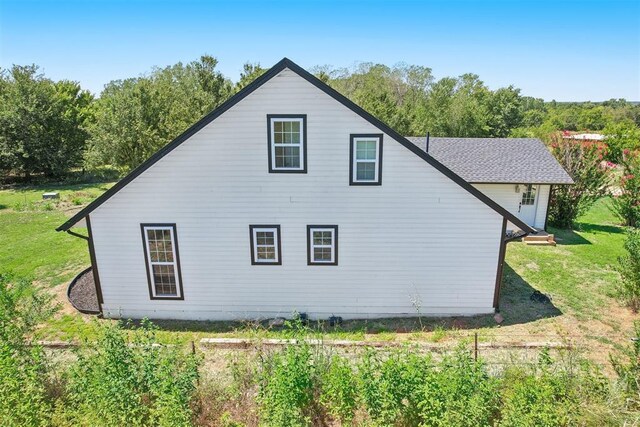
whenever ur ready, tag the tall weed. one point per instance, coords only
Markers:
(23, 369)
(119, 381)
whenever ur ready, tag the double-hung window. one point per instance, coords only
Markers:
(265, 244)
(163, 265)
(322, 244)
(287, 136)
(366, 160)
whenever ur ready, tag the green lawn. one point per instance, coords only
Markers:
(579, 274)
(31, 246)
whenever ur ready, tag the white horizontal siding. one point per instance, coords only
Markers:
(541, 209)
(506, 196)
(419, 236)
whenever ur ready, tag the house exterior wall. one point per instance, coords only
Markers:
(419, 243)
(506, 196)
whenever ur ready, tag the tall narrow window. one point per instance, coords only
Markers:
(529, 194)
(265, 244)
(287, 135)
(322, 244)
(366, 160)
(163, 265)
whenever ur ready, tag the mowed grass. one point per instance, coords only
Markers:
(30, 245)
(579, 274)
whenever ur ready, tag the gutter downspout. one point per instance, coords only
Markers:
(92, 256)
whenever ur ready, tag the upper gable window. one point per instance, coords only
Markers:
(366, 160)
(287, 143)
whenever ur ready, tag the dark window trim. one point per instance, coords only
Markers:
(278, 247)
(304, 142)
(335, 244)
(146, 261)
(352, 145)
(286, 63)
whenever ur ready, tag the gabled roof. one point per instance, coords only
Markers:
(273, 71)
(497, 160)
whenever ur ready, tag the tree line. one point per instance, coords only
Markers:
(51, 127)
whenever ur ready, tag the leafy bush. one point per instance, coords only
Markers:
(538, 397)
(339, 389)
(627, 366)
(391, 387)
(119, 382)
(583, 161)
(287, 380)
(626, 205)
(459, 392)
(23, 371)
(628, 289)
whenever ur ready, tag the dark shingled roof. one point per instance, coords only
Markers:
(496, 160)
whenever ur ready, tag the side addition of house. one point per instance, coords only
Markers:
(517, 173)
(289, 197)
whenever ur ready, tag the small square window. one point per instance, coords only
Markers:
(366, 160)
(265, 244)
(322, 244)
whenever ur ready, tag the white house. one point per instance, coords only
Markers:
(289, 197)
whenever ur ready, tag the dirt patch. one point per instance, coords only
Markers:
(82, 293)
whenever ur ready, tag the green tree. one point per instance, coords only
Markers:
(136, 117)
(249, 73)
(583, 161)
(41, 122)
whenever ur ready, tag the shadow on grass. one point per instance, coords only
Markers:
(3, 206)
(565, 236)
(515, 304)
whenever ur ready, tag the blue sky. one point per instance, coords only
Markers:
(563, 50)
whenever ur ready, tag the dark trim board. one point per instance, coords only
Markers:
(279, 246)
(146, 261)
(272, 72)
(94, 263)
(501, 254)
(335, 244)
(352, 157)
(304, 142)
(518, 183)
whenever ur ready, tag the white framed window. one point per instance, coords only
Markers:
(322, 244)
(287, 136)
(366, 160)
(265, 244)
(162, 259)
